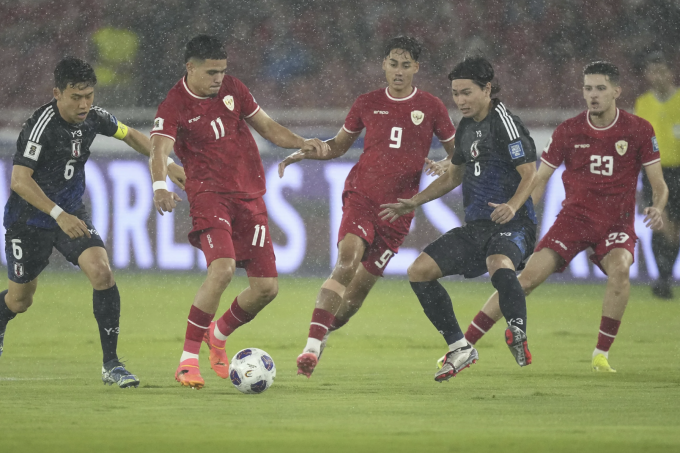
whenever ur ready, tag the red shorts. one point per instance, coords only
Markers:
(570, 235)
(360, 217)
(225, 227)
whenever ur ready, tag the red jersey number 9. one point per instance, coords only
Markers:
(396, 137)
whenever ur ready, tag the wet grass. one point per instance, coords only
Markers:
(372, 392)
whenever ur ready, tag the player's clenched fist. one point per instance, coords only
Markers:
(72, 225)
(165, 201)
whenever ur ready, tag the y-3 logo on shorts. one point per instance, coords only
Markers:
(209, 241)
(93, 232)
(506, 234)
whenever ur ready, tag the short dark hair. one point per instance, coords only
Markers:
(71, 72)
(205, 47)
(604, 68)
(478, 69)
(407, 43)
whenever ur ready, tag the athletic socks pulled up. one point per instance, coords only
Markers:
(231, 320)
(197, 324)
(106, 308)
(609, 327)
(319, 326)
(478, 327)
(511, 298)
(438, 308)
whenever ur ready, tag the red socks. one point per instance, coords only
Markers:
(197, 324)
(608, 329)
(234, 318)
(478, 327)
(321, 323)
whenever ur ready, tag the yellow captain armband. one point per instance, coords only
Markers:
(122, 131)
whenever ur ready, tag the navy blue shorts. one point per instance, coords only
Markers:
(28, 248)
(463, 250)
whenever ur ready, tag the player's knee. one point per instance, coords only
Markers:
(420, 272)
(527, 285)
(344, 269)
(268, 291)
(19, 303)
(101, 276)
(220, 273)
(619, 271)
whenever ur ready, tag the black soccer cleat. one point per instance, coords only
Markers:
(517, 342)
(114, 372)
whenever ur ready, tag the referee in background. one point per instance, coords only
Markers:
(661, 107)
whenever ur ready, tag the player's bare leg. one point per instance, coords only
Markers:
(540, 266)
(617, 266)
(94, 262)
(206, 302)
(249, 303)
(354, 297)
(17, 298)
(424, 275)
(350, 251)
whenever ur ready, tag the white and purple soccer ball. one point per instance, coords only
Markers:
(252, 371)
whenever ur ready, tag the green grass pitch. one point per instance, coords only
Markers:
(372, 392)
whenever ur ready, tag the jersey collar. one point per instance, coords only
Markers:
(391, 98)
(602, 128)
(186, 87)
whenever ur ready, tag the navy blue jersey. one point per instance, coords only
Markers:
(57, 152)
(490, 150)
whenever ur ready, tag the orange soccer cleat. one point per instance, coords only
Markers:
(189, 375)
(219, 361)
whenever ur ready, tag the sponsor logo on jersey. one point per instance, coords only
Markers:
(75, 147)
(32, 150)
(194, 119)
(76, 133)
(516, 150)
(474, 149)
(18, 269)
(381, 112)
(587, 145)
(158, 124)
(229, 102)
(362, 229)
(224, 220)
(655, 145)
(210, 241)
(560, 243)
(417, 117)
(621, 147)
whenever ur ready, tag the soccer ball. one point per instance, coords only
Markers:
(252, 371)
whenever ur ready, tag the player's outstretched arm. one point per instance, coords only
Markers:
(282, 136)
(338, 146)
(26, 187)
(440, 186)
(141, 143)
(505, 212)
(164, 200)
(653, 218)
(541, 181)
(438, 168)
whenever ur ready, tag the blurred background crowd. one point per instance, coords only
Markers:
(323, 53)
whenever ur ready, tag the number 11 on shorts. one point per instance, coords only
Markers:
(259, 230)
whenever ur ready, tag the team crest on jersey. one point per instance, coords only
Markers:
(32, 150)
(75, 148)
(621, 147)
(18, 269)
(229, 102)
(474, 149)
(417, 117)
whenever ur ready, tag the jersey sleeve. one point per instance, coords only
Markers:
(553, 154)
(166, 121)
(458, 157)
(30, 143)
(513, 138)
(108, 125)
(249, 106)
(353, 123)
(649, 149)
(443, 126)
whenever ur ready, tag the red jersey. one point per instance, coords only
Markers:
(212, 140)
(398, 139)
(602, 164)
